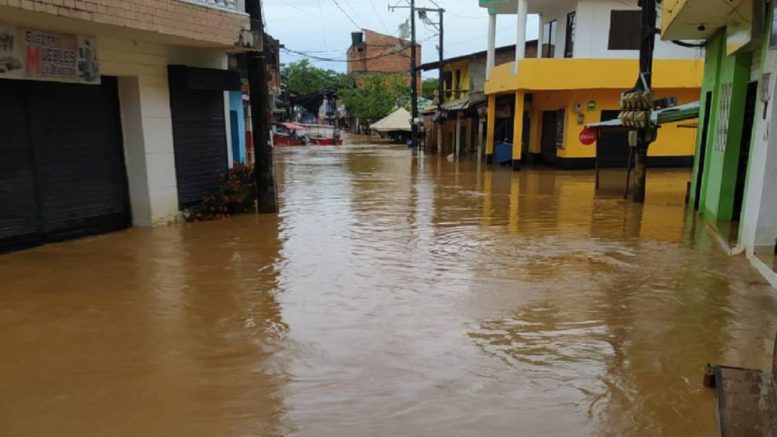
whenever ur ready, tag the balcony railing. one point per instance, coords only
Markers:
(230, 5)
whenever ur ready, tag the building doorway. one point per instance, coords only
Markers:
(702, 151)
(612, 147)
(549, 140)
(744, 150)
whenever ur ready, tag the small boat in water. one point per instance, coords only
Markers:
(323, 135)
(288, 134)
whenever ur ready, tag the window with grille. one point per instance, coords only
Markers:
(625, 30)
(569, 43)
(549, 39)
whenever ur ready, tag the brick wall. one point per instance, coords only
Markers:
(378, 54)
(168, 17)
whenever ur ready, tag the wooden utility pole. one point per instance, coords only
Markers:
(645, 135)
(257, 82)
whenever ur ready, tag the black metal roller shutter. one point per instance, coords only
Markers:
(199, 138)
(62, 166)
(76, 135)
(19, 221)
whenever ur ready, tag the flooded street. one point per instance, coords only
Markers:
(392, 296)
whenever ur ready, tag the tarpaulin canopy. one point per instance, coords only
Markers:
(398, 120)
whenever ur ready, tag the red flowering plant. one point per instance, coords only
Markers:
(235, 194)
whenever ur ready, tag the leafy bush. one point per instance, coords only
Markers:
(235, 194)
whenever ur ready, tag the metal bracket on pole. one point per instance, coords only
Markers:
(251, 40)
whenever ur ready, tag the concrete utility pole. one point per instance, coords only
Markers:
(414, 66)
(413, 79)
(441, 64)
(257, 81)
(440, 76)
(647, 133)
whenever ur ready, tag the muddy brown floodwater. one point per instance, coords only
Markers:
(392, 296)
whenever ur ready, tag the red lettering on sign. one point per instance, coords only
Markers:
(32, 65)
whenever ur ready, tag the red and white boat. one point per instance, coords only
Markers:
(288, 134)
(323, 135)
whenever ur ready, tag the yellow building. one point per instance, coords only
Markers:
(588, 56)
(464, 100)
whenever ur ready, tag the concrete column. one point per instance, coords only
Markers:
(228, 130)
(490, 128)
(536, 133)
(540, 37)
(491, 53)
(520, 37)
(480, 138)
(457, 152)
(518, 129)
(148, 147)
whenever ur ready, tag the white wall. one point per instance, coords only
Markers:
(759, 217)
(593, 31)
(147, 121)
(559, 13)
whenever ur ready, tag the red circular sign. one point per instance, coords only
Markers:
(588, 136)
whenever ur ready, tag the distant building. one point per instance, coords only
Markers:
(589, 56)
(239, 103)
(464, 79)
(126, 112)
(375, 53)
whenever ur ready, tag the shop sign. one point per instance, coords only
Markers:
(48, 56)
(588, 136)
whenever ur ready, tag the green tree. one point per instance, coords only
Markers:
(303, 78)
(376, 96)
(429, 88)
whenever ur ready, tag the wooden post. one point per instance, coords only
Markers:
(257, 81)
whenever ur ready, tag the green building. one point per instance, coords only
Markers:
(734, 182)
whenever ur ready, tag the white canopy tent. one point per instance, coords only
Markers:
(398, 120)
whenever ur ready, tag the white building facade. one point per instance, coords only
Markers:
(587, 55)
(134, 96)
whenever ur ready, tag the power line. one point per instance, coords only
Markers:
(379, 15)
(325, 59)
(321, 19)
(346, 14)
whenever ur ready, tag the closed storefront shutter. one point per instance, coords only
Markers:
(75, 181)
(76, 136)
(199, 136)
(19, 223)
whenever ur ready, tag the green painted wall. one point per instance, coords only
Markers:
(720, 167)
(713, 51)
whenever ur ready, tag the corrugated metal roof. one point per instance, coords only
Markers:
(473, 100)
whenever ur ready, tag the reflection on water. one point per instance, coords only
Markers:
(393, 295)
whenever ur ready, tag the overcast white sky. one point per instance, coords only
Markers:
(319, 27)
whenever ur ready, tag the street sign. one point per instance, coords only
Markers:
(588, 136)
